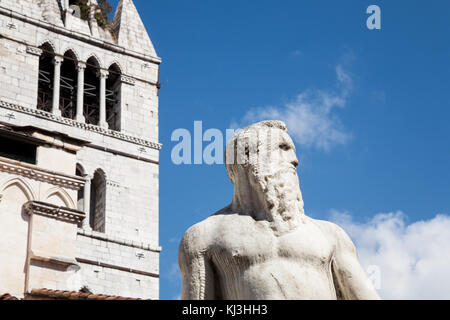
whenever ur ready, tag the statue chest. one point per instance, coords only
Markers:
(252, 243)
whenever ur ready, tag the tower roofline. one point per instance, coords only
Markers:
(129, 29)
(145, 56)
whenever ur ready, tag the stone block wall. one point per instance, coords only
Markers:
(127, 267)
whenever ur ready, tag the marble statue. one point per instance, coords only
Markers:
(263, 246)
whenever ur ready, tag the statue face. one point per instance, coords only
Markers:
(276, 172)
(275, 154)
(287, 152)
(261, 162)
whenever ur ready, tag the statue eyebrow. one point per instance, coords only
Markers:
(285, 145)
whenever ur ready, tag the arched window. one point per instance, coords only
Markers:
(80, 172)
(68, 92)
(92, 92)
(98, 201)
(46, 78)
(113, 85)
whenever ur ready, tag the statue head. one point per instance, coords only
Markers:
(261, 162)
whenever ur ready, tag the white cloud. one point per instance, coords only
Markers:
(311, 117)
(414, 259)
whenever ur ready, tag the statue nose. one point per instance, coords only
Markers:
(295, 163)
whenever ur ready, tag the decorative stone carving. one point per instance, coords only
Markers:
(263, 246)
(52, 211)
(128, 80)
(102, 74)
(81, 66)
(73, 123)
(34, 51)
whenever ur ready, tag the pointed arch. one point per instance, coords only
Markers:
(14, 227)
(22, 185)
(62, 194)
(101, 172)
(70, 52)
(49, 44)
(116, 67)
(95, 61)
(80, 170)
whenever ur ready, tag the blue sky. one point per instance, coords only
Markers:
(382, 147)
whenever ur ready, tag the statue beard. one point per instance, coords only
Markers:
(281, 192)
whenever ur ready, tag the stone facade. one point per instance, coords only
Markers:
(120, 256)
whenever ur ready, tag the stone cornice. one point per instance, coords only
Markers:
(73, 123)
(115, 267)
(33, 172)
(55, 212)
(122, 242)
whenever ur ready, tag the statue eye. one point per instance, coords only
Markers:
(285, 146)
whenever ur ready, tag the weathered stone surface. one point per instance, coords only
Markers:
(128, 158)
(263, 246)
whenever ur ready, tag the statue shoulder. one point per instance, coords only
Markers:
(328, 226)
(195, 235)
(335, 233)
(199, 237)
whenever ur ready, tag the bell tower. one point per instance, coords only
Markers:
(86, 87)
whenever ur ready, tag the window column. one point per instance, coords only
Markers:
(103, 75)
(57, 61)
(80, 92)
